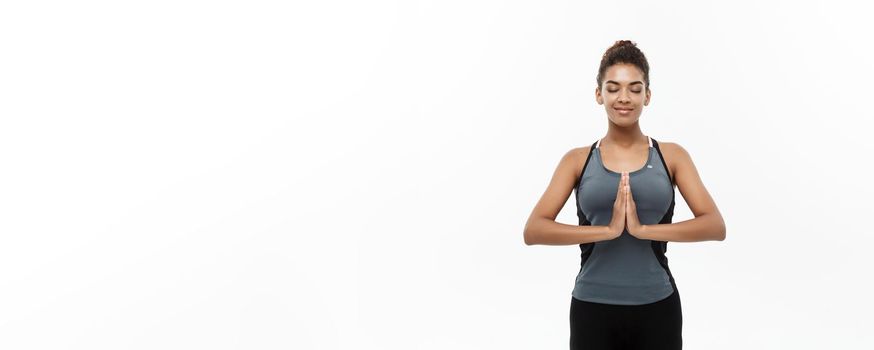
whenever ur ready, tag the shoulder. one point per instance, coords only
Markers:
(579, 151)
(574, 158)
(673, 148)
(577, 155)
(675, 155)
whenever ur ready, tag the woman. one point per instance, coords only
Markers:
(625, 296)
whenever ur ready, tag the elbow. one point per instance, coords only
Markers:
(719, 229)
(528, 237)
(721, 234)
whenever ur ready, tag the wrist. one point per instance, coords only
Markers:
(644, 233)
(607, 233)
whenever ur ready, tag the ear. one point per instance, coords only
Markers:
(598, 96)
(648, 95)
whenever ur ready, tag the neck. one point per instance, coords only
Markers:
(625, 137)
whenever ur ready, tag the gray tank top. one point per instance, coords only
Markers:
(625, 270)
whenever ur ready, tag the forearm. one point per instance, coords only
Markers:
(548, 232)
(707, 227)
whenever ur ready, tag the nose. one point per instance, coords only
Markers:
(623, 96)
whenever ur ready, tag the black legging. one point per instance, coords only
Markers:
(653, 326)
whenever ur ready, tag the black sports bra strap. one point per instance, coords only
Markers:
(583, 170)
(665, 164)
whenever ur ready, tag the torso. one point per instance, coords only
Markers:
(625, 270)
(624, 160)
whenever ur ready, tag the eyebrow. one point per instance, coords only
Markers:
(632, 83)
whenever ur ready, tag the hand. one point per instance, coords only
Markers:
(632, 222)
(617, 222)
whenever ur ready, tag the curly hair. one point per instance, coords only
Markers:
(624, 51)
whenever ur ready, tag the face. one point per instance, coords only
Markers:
(623, 94)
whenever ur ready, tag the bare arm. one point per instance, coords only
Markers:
(540, 230)
(541, 227)
(707, 225)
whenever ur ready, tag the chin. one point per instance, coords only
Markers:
(623, 120)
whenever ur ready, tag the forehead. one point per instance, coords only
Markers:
(623, 73)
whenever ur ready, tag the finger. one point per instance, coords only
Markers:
(626, 197)
(619, 189)
(620, 192)
(625, 193)
(622, 187)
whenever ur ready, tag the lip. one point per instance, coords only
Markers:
(623, 111)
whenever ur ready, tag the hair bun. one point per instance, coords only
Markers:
(623, 51)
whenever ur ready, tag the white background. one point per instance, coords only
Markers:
(339, 175)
